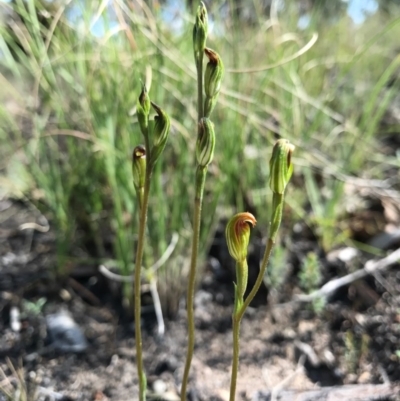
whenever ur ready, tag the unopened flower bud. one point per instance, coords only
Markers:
(281, 167)
(160, 133)
(205, 142)
(213, 74)
(200, 30)
(143, 110)
(238, 235)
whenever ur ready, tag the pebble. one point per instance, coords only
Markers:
(306, 326)
(64, 334)
(159, 387)
(344, 254)
(365, 377)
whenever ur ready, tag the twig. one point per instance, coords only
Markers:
(5, 383)
(35, 226)
(153, 283)
(280, 386)
(168, 252)
(309, 352)
(371, 267)
(358, 392)
(84, 292)
(157, 307)
(384, 375)
(129, 279)
(113, 276)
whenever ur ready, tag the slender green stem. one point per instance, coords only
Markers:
(240, 288)
(260, 278)
(238, 315)
(201, 173)
(240, 307)
(199, 67)
(137, 282)
(235, 360)
(276, 218)
(147, 147)
(241, 277)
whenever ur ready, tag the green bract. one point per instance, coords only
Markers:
(160, 133)
(205, 142)
(213, 74)
(143, 110)
(281, 167)
(238, 234)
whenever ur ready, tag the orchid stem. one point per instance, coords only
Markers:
(201, 173)
(137, 286)
(240, 306)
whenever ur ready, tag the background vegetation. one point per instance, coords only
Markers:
(70, 74)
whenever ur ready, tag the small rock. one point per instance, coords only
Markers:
(344, 254)
(223, 395)
(386, 240)
(170, 396)
(364, 378)
(352, 378)
(289, 334)
(159, 387)
(64, 334)
(15, 321)
(52, 395)
(306, 326)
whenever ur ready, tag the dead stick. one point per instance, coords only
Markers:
(371, 267)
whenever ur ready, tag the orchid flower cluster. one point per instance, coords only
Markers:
(210, 84)
(238, 228)
(144, 159)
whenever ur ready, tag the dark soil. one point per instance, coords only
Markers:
(355, 338)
